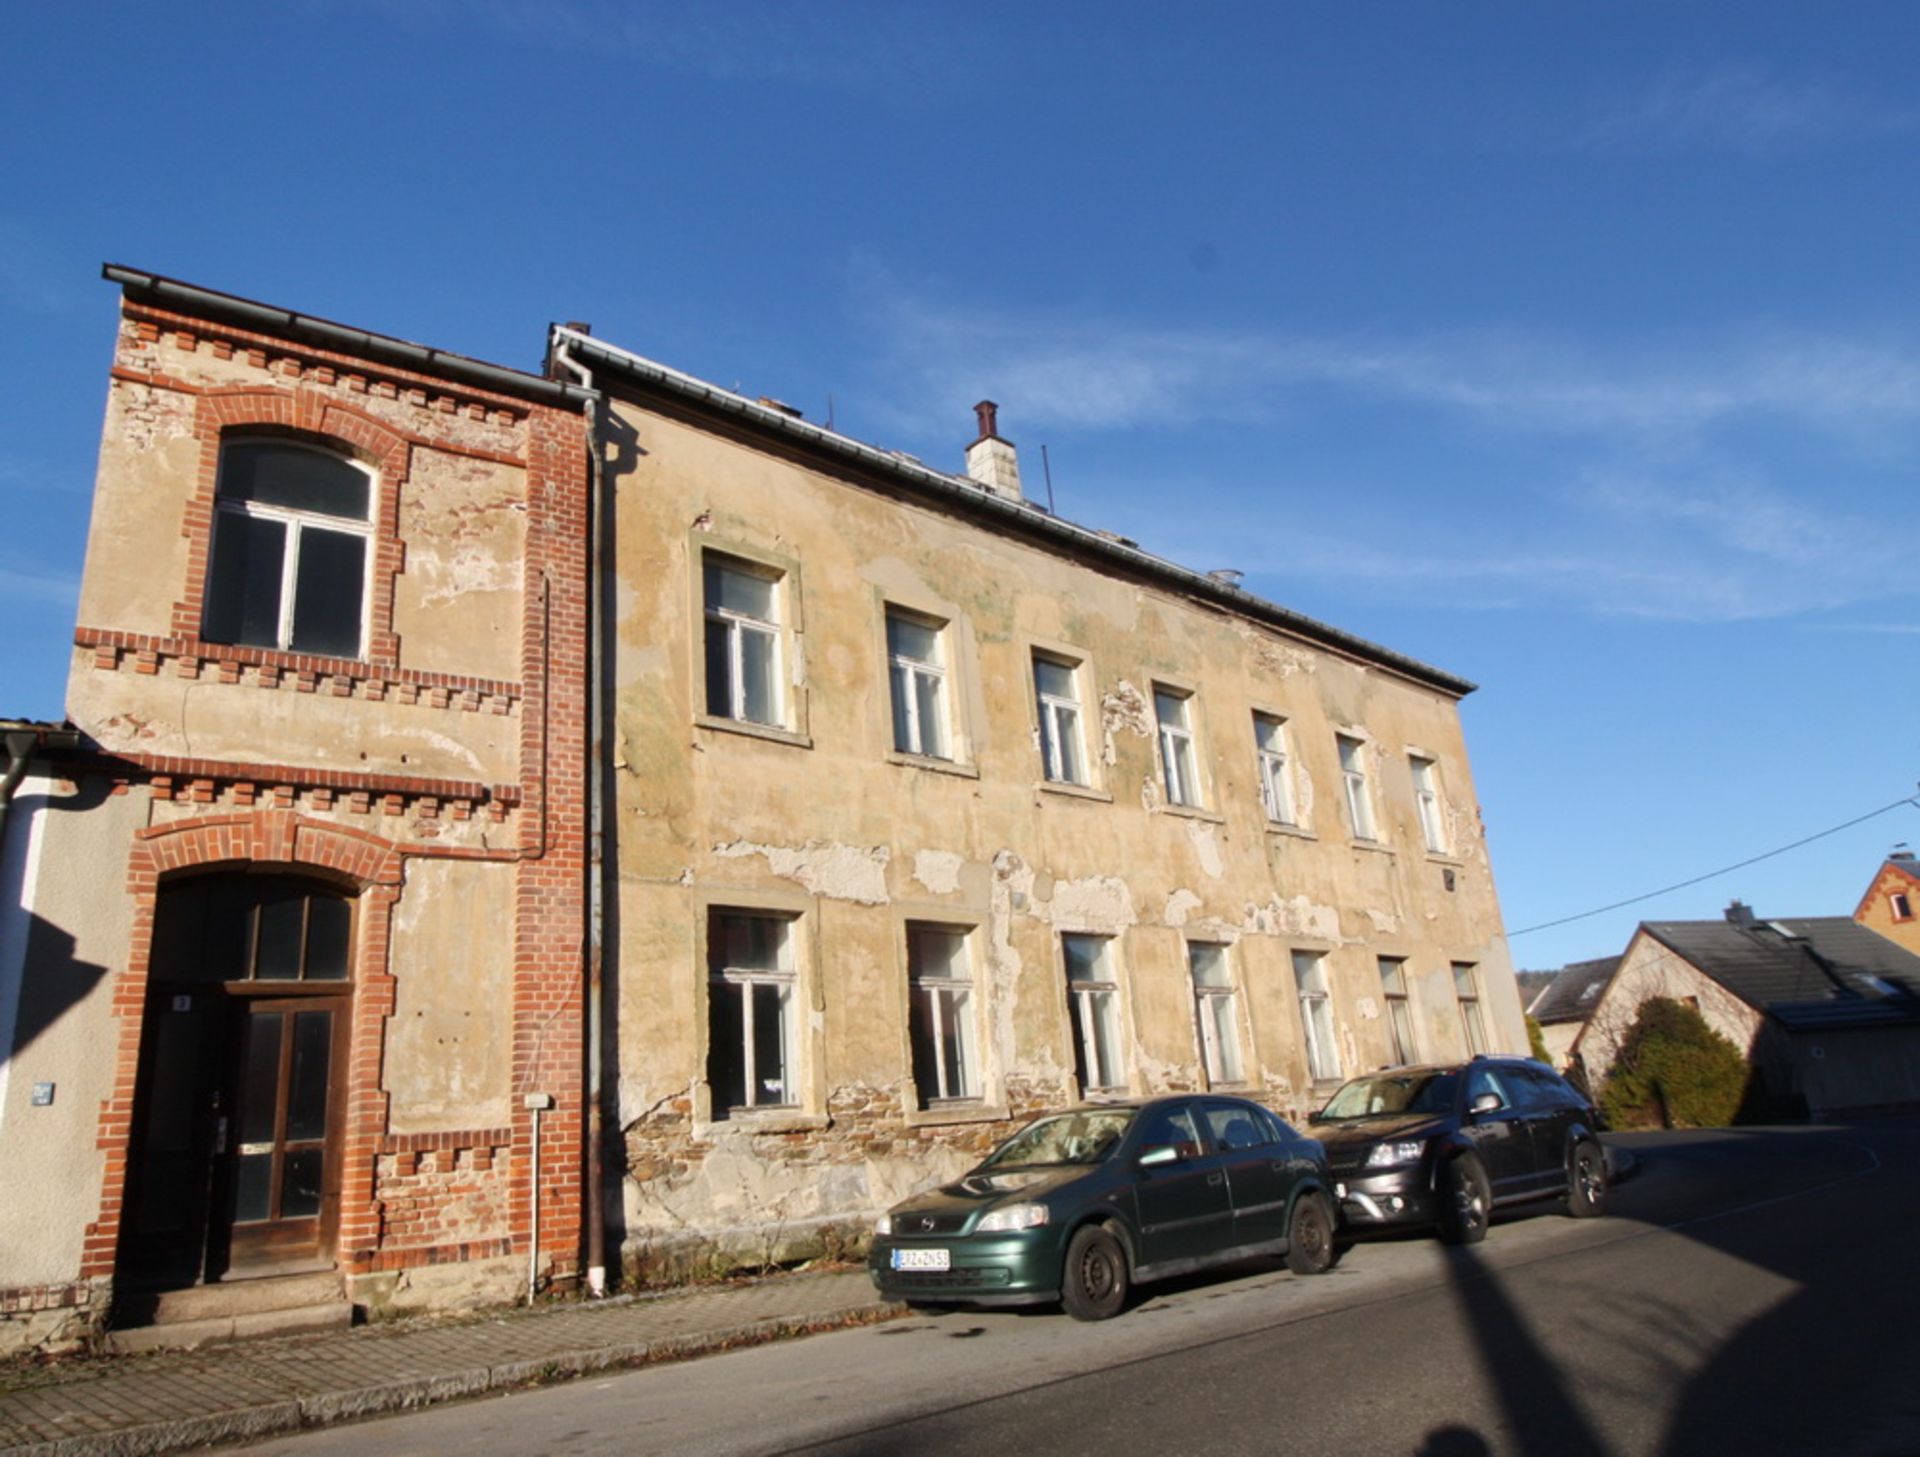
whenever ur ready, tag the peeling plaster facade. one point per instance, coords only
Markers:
(820, 819)
(426, 788)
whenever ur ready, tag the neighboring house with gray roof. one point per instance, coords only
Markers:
(1564, 1004)
(1827, 1011)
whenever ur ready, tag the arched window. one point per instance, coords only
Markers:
(290, 541)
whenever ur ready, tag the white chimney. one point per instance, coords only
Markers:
(990, 460)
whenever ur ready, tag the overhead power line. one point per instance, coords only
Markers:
(1711, 874)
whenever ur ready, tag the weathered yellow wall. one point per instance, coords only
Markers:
(450, 1042)
(1876, 910)
(837, 827)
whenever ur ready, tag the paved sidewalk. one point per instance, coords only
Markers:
(121, 1406)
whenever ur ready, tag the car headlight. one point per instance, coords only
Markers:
(883, 1225)
(1012, 1216)
(1386, 1154)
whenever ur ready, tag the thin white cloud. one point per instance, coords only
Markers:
(1100, 375)
(898, 50)
(35, 583)
(1746, 107)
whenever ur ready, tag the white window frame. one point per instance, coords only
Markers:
(1094, 1006)
(905, 675)
(1276, 787)
(1316, 1015)
(1060, 720)
(1179, 761)
(1466, 991)
(1900, 906)
(1426, 800)
(1353, 774)
(782, 975)
(1393, 992)
(942, 992)
(736, 626)
(1216, 1006)
(294, 521)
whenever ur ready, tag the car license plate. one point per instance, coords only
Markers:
(921, 1259)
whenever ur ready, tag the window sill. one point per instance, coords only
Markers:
(753, 730)
(937, 766)
(1069, 790)
(1193, 812)
(1441, 857)
(768, 1120)
(1290, 832)
(958, 1111)
(1375, 847)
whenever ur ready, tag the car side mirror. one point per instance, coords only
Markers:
(1486, 1103)
(1318, 1115)
(1153, 1158)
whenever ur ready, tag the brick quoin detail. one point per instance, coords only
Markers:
(314, 415)
(362, 863)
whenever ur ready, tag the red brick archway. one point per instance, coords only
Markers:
(372, 868)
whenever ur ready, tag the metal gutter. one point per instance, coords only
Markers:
(969, 496)
(152, 287)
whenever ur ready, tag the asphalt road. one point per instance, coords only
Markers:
(1750, 1292)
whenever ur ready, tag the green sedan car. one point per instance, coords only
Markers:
(1080, 1206)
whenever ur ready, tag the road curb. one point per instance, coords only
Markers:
(278, 1418)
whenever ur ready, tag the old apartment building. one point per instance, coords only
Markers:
(916, 807)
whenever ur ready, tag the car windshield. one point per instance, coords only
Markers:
(1085, 1137)
(1393, 1094)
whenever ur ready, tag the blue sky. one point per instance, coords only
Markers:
(1575, 349)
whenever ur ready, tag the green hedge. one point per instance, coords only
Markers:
(1674, 1071)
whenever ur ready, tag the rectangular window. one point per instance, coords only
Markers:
(1216, 1009)
(1094, 1000)
(940, 981)
(1466, 988)
(1276, 790)
(1426, 798)
(918, 676)
(288, 565)
(751, 1022)
(1902, 907)
(1170, 708)
(1316, 1015)
(1353, 772)
(1055, 691)
(1393, 987)
(743, 642)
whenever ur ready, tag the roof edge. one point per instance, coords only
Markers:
(968, 495)
(156, 288)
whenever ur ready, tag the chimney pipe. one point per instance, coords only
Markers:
(1739, 914)
(991, 460)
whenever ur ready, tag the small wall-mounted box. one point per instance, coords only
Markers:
(537, 1102)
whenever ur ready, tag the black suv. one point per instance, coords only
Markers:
(1444, 1145)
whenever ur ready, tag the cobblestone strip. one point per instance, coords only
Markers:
(244, 1391)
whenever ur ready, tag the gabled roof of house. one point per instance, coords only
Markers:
(1807, 971)
(1572, 995)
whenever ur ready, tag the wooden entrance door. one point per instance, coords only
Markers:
(234, 1166)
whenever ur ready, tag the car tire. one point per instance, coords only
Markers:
(1310, 1249)
(1093, 1286)
(1587, 1182)
(1466, 1201)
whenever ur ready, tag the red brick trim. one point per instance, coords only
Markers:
(413, 1259)
(371, 866)
(440, 1142)
(313, 414)
(354, 372)
(194, 657)
(153, 379)
(270, 778)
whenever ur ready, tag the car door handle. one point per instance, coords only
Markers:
(1216, 1177)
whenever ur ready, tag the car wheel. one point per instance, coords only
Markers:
(1466, 1200)
(1587, 1185)
(1310, 1237)
(1094, 1283)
